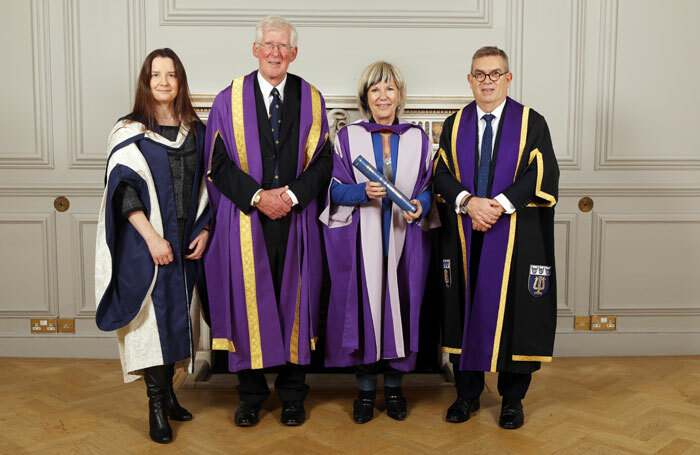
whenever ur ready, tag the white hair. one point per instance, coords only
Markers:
(275, 23)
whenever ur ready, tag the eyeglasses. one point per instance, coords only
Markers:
(269, 46)
(494, 75)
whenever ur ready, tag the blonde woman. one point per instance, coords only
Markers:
(377, 254)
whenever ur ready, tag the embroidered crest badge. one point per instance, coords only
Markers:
(447, 272)
(538, 283)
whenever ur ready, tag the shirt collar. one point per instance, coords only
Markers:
(266, 87)
(496, 112)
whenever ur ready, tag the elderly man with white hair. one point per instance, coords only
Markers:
(269, 158)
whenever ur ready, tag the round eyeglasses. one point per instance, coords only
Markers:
(269, 46)
(494, 75)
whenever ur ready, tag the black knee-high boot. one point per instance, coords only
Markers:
(175, 411)
(157, 379)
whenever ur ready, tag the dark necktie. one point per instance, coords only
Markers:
(276, 124)
(482, 181)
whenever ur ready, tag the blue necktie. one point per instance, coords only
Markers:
(276, 124)
(482, 181)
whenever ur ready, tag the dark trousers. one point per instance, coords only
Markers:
(276, 233)
(470, 384)
(290, 384)
(366, 375)
(511, 386)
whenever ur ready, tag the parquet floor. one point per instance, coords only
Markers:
(575, 406)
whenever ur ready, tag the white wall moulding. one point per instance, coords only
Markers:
(577, 40)
(596, 189)
(606, 81)
(87, 135)
(565, 250)
(318, 13)
(514, 44)
(52, 191)
(634, 39)
(136, 17)
(643, 264)
(574, 137)
(203, 101)
(42, 156)
(427, 111)
(74, 113)
(28, 273)
(551, 72)
(83, 229)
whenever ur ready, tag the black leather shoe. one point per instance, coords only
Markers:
(293, 413)
(395, 403)
(156, 379)
(175, 411)
(512, 415)
(461, 409)
(363, 407)
(246, 414)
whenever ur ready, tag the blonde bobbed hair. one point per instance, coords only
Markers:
(379, 71)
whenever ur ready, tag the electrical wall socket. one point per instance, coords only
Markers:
(66, 325)
(42, 326)
(603, 323)
(582, 323)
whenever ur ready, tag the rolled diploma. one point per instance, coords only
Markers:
(394, 193)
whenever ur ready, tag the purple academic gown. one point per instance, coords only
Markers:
(246, 319)
(374, 311)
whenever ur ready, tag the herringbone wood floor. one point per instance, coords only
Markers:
(575, 406)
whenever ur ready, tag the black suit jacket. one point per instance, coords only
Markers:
(240, 187)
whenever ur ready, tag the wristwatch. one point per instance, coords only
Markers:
(463, 205)
(256, 198)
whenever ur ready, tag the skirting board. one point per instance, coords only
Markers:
(568, 344)
(578, 344)
(61, 347)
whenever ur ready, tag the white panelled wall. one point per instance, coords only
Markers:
(614, 79)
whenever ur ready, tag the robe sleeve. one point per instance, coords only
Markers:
(348, 193)
(228, 178)
(537, 184)
(445, 183)
(425, 199)
(131, 271)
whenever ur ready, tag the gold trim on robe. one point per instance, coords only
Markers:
(315, 131)
(532, 358)
(222, 344)
(537, 155)
(455, 129)
(294, 342)
(246, 231)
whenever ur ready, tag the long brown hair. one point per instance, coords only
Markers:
(145, 105)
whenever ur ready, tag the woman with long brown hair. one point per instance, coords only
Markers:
(152, 232)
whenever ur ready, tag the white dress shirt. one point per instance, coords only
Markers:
(481, 127)
(266, 90)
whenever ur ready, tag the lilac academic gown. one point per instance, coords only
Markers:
(374, 310)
